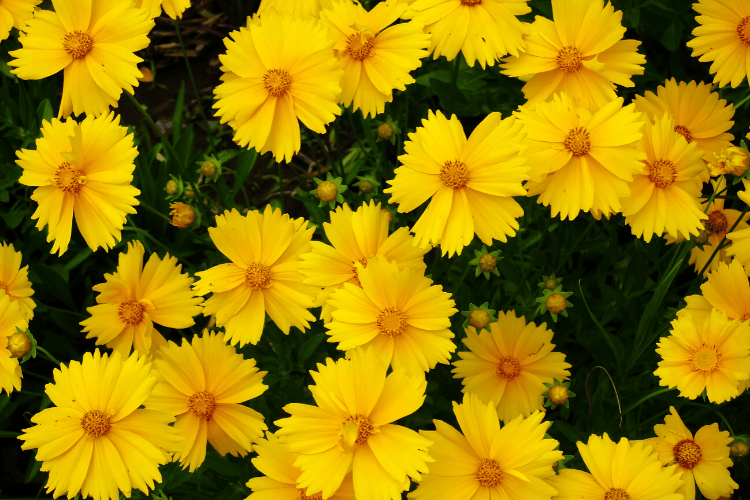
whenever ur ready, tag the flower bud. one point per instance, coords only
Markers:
(551, 284)
(327, 191)
(189, 193)
(365, 186)
(182, 215)
(487, 263)
(385, 131)
(558, 394)
(479, 318)
(739, 449)
(19, 345)
(208, 168)
(171, 187)
(556, 303)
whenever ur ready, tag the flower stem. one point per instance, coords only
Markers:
(155, 128)
(154, 211)
(47, 355)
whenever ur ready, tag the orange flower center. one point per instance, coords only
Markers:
(357, 49)
(277, 82)
(508, 367)
(489, 473)
(454, 174)
(716, 223)
(743, 30)
(616, 494)
(69, 179)
(687, 453)
(662, 173)
(471, 2)
(577, 141)
(705, 359)
(77, 43)
(130, 312)
(202, 404)
(569, 59)
(355, 278)
(303, 495)
(258, 276)
(745, 317)
(684, 132)
(364, 428)
(95, 423)
(391, 322)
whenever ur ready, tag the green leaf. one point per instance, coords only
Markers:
(245, 163)
(606, 335)
(308, 348)
(44, 110)
(672, 36)
(178, 114)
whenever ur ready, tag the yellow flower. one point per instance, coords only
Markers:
(483, 30)
(486, 461)
(664, 197)
(94, 46)
(470, 183)
(182, 215)
(14, 279)
(698, 113)
(173, 8)
(351, 429)
(703, 459)
(262, 277)
(401, 314)
(710, 355)
(15, 13)
(299, 8)
(727, 290)
(82, 169)
(509, 365)
(269, 86)
(96, 440)
(135, 297)
(356, 237)
(730, 160)
(581, 161)
(276, 461)
(11, 317)
(581, 52)
(723, 39)
(204, 384)
(720, 221)
(376, 58)
(628, 470)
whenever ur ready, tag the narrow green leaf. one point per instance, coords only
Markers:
(178, 114)
(605, 335)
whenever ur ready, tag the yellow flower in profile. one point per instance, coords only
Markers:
(489, 29)
(664, 196)
(723, 39)
(698, 113)
(135, 297)
(182, 215)
(93, 44)
(11, 317)
(299, 8)
(740, 247)
(276, 461)
(14, 279)
(351, 429)
(401, 314)
(703, 459)
(487, 461)
(262, 277)
(15, 13)
(726, 289)
(581, 161)
(356, 237)
(509, 365)
(376, 58)
(269, 87)
(470, 183)
(96, 441)
(172, 8)
(628, 470)
(581, 52)
(730, 160)
(203, 384)
(710, 355)
(83, 170)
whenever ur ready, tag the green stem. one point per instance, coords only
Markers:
(154, 211)
(743, 101)
(454, 75)
(646, 398)
(370, 138)
(156, 130)
(281, 188)
(47, 355)
(726, 422)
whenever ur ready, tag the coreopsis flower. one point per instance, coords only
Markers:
(580, 52)
(470, 183)
(15, 13)
(204, 383)
(509, 365)
(627, 470)
(664, 196)
(83, 170)
(489, 29)
(703, 459)
(723, 39)
(299, 8)
(581, 161)
(710, 355)
(172, 8)
(269, 87)
(135, 297)
(401, 314)
(182, 215)
(487, 461)
(376, 57)
(730, 160)
(726, 289)
(351, 429)
(96, 441)
(262, 277)
(93, 44)
(276, 461)
(699, 114)
(14, 279)
(11, 319)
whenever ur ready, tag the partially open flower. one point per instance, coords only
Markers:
(732, 160)
(182, 215)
